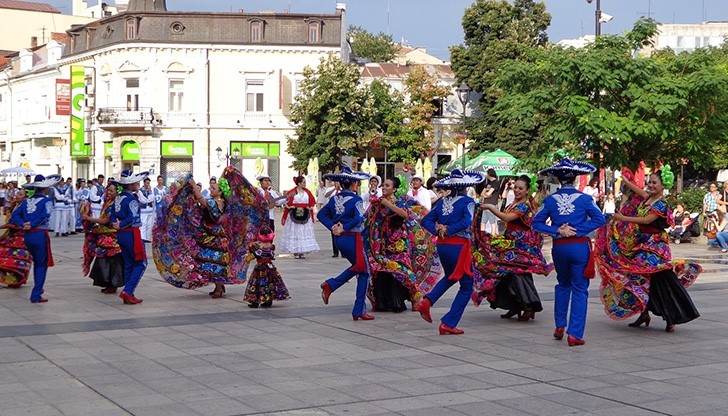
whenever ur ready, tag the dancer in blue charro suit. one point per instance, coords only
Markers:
(126, 218)
(450, 220)
(344, 216)
(573, 216)
(32, 216)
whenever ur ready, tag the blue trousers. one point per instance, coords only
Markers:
(449, 255)
(346, 243)
(133, 269)
(37, 243)
(570, 260)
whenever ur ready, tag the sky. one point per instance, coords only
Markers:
(436, 24)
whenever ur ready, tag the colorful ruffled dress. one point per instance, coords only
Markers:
(101, 248)
(402, 255)
(265, 284)
(505, 264)
(637, 269)
(195, 245)
(15, 259)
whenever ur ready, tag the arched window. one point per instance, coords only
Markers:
(257, 31)
(314, 31)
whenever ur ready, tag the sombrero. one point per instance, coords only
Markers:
(568, 169)
(261, 177)
(347, 176)
(41, 181)
(460, 179)
(128, 177)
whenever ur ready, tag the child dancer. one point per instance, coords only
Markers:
(265, 284)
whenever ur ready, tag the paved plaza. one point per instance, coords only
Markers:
(183, 353)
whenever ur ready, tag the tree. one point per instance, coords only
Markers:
(375, 48)
(604, 102)
(497, 32)
(333, 115)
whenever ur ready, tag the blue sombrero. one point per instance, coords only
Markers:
(460, 179)
(128, 177)
(568, 169)
(347, 176)
(41, 181)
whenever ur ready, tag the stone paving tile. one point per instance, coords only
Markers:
(351, 409)
(538, 406)
(485, 408)
(224, 407)
(43, 410)
(176, 409)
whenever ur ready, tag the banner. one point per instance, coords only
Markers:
(63, 97)
(78, 110)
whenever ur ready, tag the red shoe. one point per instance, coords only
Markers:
(559, 333)
(41, 300)
(363, 317)
(423, 307)
(573, 341)
(326, 292)
(129, 299)
(446, 330)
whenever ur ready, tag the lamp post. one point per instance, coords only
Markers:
(226, 157)
(464, 95)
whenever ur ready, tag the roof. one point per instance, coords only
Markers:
(387, 70)
(28, 6)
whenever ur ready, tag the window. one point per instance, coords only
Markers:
(89, 38)
(2, 107)
(132, 94)
(131, 29)
(314, 32)
(254, 95)
(176, 94)
(256, 31)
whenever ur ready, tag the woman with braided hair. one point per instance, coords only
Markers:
(634, 259)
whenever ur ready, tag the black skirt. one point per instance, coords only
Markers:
(669, 299)
(517, 292)
(389, 293)
(108, 271)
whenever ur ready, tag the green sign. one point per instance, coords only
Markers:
(130, 151)
(78, 127)
(256, 149)
(108, 149)
(179, 149)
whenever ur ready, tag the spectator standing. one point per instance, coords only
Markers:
(489, 195)
(723, 203)
(710, 200)
(159, 192)
(146, 209)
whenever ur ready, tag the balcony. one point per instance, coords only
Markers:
(121, 119)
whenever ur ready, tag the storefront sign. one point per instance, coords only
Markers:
(78, 128)
(63, 97)
(257, 149)
(108, 149)
(177, 149)
(130, 151)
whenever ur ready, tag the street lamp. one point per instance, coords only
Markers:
(226, 157)
(463, 95)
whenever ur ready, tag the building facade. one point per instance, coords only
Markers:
(178, 92)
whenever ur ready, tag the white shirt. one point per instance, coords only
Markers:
(423, 197)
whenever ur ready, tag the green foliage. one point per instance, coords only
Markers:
(497, 32)
(375, 48)
(691, 197)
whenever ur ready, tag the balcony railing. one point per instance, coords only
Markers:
(123, 116)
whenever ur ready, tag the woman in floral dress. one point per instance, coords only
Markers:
(635, 262)
(15, 259)
(504, 264)
(101, 247)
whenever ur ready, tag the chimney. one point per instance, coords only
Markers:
(78, 7)
(34, 41)
(345, 48)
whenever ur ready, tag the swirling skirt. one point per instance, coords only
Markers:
(108, 271)
(669, 299)
(298, 238)
(516, 292)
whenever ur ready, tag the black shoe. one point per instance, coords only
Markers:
(335, 255)
(57, 234)
(267, 304)
(253, 305)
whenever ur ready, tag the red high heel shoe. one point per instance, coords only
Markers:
(644, 318)
(129, 299)
(325, 292)
(573, 341)
(448, 330)
(423, 307)
(364, 317)
(559, 333)
(41, 300)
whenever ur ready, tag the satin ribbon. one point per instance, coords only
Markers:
(360, 266)
(464, 265)
(590, 270)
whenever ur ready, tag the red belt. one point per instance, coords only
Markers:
(264, 261)
(360, 266)
(464, 265)
(590, 270)
(140, 253)
(49, 254)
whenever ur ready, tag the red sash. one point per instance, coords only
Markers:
(590, 270)
(49, 254)
(361, 265)
(464, 265)
(140, 253)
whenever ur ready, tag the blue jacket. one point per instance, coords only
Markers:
(346, 208)
(455, 211)
(126, 211)
(568, 206)
(35, 210)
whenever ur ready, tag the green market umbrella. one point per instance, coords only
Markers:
(502, 162)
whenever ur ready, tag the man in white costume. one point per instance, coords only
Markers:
(420, 193)
(145, 195)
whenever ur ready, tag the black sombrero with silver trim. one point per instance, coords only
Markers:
(347, 176)
(460, 179)
(568, 169)
(41, 181)
(128, 177)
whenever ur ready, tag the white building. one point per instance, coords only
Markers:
(173, 92)
(688, 37)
